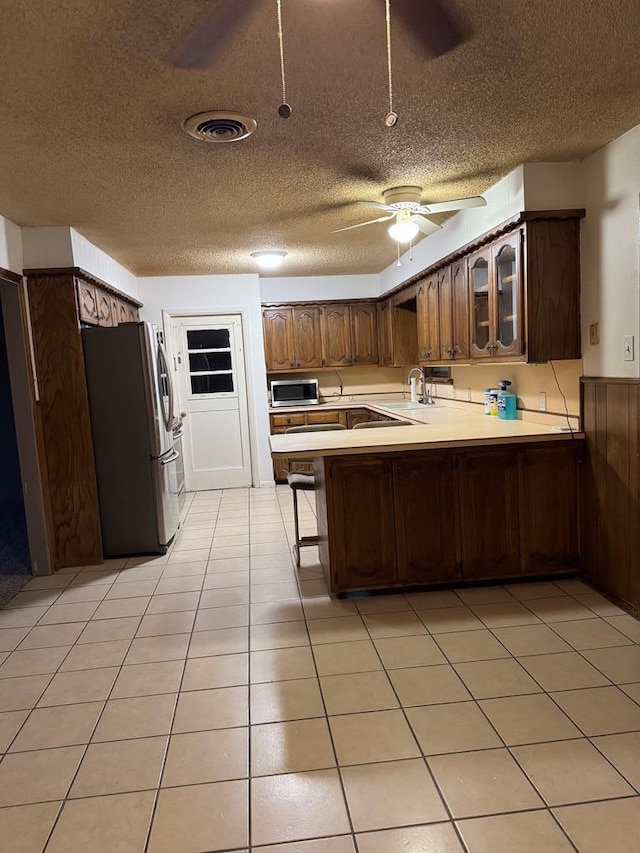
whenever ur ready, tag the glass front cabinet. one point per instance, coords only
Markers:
(495, 292)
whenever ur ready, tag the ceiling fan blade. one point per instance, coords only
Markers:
(379, 205)
(212, 33)
(362, 224)
(426, 225)
(455, 204)
(433, 23)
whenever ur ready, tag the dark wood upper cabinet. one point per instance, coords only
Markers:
(507, 289)
(336, 335)
(278, 343)
(364, 333)
(495, 297)
(459, 309)
(425, 513)
(453, 311)
(428, 320)
(364, 507)
(307, 342)
(385, 332)
(489, 521)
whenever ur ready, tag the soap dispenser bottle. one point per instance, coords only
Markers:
(507, 409)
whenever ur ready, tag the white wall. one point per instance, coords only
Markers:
(10, 246)
(321, 287)
(610, 253)
(554, 186)
(96, 262)
(504, 199)
(64, 247)
(216, 293)
(47, 247)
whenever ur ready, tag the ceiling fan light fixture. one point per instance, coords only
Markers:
(269, 260)
(404, 231)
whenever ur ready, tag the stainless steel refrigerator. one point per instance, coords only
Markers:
(131, 409)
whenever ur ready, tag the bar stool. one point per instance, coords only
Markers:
(305, 483)
(371, 424)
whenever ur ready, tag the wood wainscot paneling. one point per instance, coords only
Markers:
(610, 498)
(64, 428)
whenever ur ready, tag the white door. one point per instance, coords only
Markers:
(213, 392)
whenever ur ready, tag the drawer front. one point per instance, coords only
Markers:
(288, 420)
(334, 416)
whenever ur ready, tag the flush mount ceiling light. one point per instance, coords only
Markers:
(404, 230)
(270, 260)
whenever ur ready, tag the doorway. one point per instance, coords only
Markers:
(212, 390)
(15, 562)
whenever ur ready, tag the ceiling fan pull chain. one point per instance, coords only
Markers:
(284, 110)
(392, 117)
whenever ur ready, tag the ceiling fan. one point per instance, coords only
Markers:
(403, 205)
(433, 23)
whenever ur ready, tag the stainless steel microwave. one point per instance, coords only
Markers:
(294, 392)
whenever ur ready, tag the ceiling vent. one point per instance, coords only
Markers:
(219, 126)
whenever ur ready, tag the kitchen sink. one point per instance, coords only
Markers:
(402, 404)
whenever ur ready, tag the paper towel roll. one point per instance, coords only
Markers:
(414, 388)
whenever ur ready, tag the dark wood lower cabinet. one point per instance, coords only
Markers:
(363, 510)
(488, 499)
(548, 501)
(449, 516)
(425, 514)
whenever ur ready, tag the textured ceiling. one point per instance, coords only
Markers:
(91, 106)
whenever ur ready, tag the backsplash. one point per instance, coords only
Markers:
(528, 382)
(356, 381)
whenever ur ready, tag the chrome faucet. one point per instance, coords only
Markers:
(423, 392)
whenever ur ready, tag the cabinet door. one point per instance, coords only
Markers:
(361, 514)
(307, 342)
(489, 523)
(460, 309)
(336, 335)
(481, 304)
(364, 334)
(424, 489)
(103, 300)
(428, 321)
(278, 346)
(445, 311)
(385, 356)
(507, 276)
(549, 508)
(123, 312)
(87, 302)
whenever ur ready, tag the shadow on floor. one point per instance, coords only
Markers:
(15, 562)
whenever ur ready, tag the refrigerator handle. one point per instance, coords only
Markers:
(172, 458)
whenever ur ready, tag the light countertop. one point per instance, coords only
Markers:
(445, 424)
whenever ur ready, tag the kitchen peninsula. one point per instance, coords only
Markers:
(456, 497)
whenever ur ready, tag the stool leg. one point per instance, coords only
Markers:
(296, 547)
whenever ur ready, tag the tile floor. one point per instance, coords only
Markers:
(213, 700)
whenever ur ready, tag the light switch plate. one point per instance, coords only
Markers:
(594, 334)
(628, 348)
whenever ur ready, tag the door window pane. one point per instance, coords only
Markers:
(480, 285)
(507, 295)
(206, 361)
(214, 383)
(208, 339)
